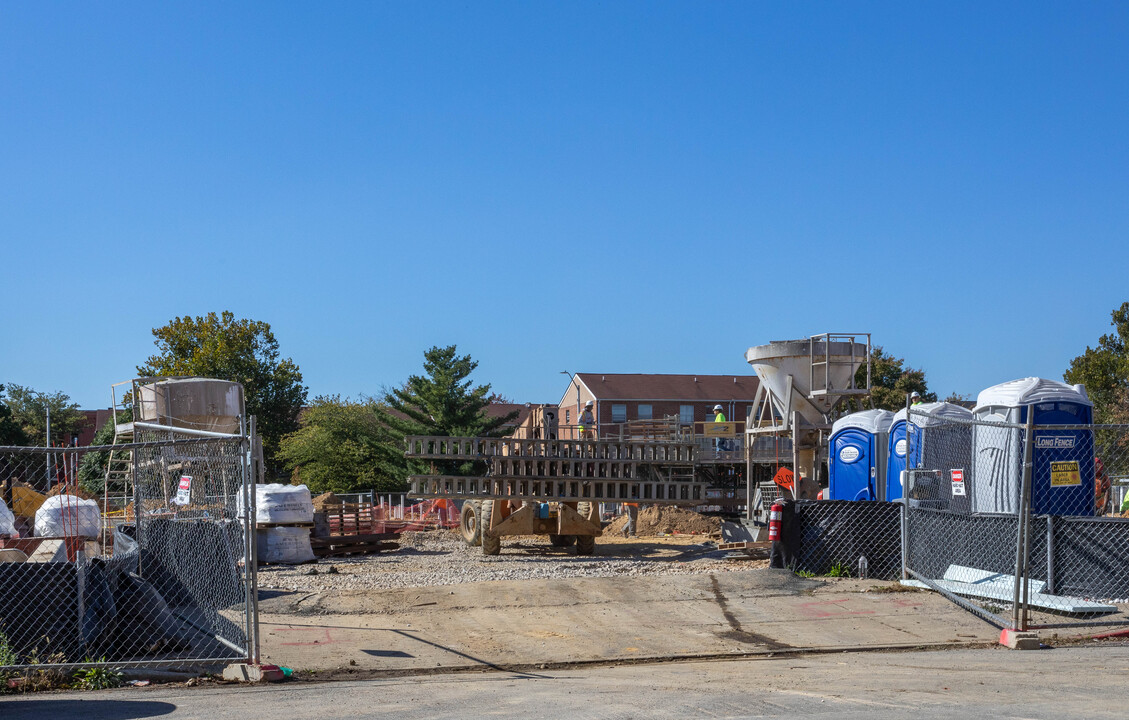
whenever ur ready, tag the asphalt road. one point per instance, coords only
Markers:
(1079, 682)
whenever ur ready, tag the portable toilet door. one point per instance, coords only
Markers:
(856, 462)
(897, 445)
(1062, 479)
(934, 443)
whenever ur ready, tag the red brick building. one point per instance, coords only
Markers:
(620, 398)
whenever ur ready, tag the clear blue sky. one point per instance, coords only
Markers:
(598, 187)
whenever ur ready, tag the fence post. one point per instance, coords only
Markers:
(1050, 590)
(905, 502)
(1022, 542)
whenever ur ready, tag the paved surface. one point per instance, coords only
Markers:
(1056, 684)
(527, 623)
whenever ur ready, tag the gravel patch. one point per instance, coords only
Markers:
(427, 559)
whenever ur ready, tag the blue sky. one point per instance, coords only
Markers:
(594, 187)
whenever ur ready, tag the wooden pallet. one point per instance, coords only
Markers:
(353, 544)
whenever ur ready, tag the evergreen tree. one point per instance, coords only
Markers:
(445, 402)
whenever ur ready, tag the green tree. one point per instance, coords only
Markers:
(243, 351)
(1104, 370)
(341, 447)
(891, 381)
(444, 401)
(29, 411)
(92, 469)
(10, 431)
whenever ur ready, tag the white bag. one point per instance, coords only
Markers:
(287, 545)
(7, 520)
(68, 516)
(277, 503)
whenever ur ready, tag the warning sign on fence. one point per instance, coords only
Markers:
(183, 490)
(1065, 474)
(958, 482)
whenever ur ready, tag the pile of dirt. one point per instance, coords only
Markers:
(71, 489)
(321, 501)
(667, 520)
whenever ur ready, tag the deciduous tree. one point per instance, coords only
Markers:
(29, 411)
(341, 447)
(891, 381)
(240, 350)
(1104, 370)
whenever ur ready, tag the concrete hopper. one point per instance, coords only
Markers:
(803, 381)
(810, 376)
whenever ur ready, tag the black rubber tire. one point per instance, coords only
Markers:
(562, 540)
(585, 544)
(469, 525)
(491, 544)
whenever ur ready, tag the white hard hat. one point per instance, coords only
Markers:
(717, 407)
(915, 394)
(588, 404)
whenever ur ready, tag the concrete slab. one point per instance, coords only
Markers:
(526, 623)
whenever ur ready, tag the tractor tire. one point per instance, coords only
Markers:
(585, 544)
(469, 525)
(562, 540)
(491, 544)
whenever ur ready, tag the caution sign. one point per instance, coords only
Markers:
(958, 482)
(1065, 474)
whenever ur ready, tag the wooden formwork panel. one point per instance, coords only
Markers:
(558, 489)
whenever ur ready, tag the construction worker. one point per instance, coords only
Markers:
(587, 423)
(915, 398)
(632, 509)
(720, 415)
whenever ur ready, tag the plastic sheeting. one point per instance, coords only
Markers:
(7, 520)
(68, 516)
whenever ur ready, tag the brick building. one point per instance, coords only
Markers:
(623, 397)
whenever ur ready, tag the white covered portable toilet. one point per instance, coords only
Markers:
(939, 440)
(856, 463)
(998, 452)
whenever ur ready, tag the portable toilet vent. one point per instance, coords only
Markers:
(935, 442)
(1062, 478)
(857, 455)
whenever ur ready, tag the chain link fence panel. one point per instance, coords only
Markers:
(147, 570)
(843, 538)
(976, 520)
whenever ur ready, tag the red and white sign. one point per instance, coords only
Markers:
(184, 490)
(958, 482)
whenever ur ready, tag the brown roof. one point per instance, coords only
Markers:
(699, 388)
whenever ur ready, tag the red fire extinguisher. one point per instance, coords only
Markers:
(774, 515)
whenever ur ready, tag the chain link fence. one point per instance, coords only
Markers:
(1014, 521)
(148, 571)
(842, 538)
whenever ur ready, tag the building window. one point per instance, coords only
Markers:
(619, 413)
(686, 414)
(568, 417)
(749, 412)
(644, 412)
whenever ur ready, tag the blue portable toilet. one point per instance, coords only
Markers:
(925, 446)
(1062, 479)
(857, 459)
